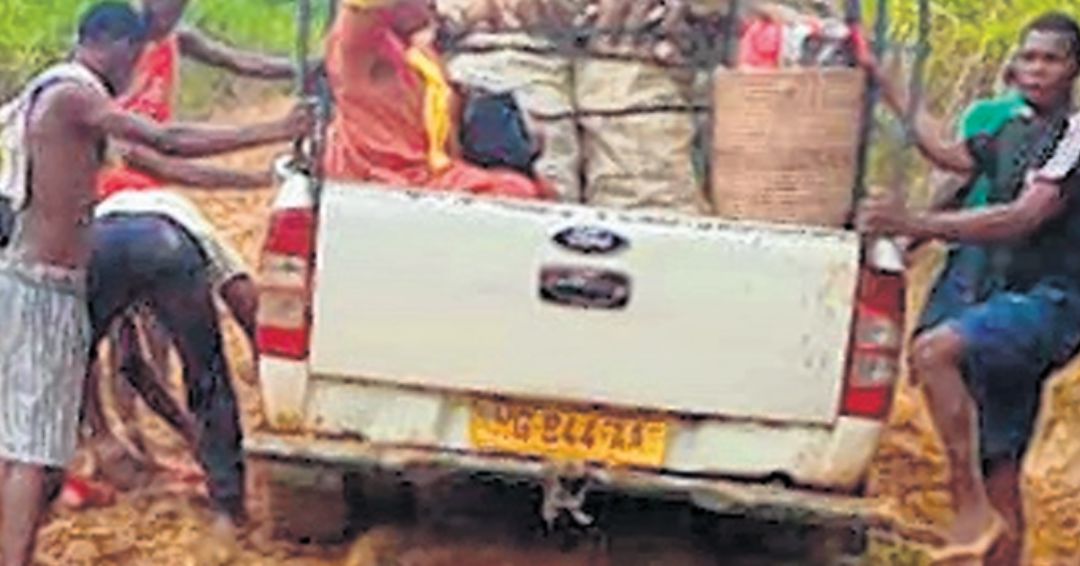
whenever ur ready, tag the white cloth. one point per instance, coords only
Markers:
(44, 350)
(14, 119)
(1066, 156)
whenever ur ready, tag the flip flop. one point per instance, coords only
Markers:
(976, 549)
(81, 493)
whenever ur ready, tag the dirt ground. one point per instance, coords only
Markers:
(157, 523)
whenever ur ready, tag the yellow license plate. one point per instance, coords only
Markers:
(568, 434)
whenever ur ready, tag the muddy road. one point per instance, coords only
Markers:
(160, 518)
(478, 525)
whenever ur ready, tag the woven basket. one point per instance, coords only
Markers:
(784, 144)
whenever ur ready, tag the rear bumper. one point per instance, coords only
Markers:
(768, 501)
(833, 457)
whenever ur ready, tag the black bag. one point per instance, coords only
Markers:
(494, 134)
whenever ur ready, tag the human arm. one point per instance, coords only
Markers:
(96, 112)
(192, 173)
(1039, 202)
(777, 13)
(929, 131)
(200, 47)
(948, 190)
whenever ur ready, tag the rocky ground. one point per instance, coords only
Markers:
(160, 522)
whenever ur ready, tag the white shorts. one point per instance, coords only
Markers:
(44, 351)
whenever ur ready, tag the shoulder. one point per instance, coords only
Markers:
(1064, 163)
(71, 98)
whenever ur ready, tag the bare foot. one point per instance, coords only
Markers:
(970, 525)
(223, 528)
(221, 547)
(973, 533)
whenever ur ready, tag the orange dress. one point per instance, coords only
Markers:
(151, 94)
(395, 115)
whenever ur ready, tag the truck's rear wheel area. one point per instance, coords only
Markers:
(303, 502)
(309, 503)
(377, 496)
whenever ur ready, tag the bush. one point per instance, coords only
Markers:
(35, 33)
(969, 42)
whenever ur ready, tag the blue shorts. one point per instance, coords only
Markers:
(1013, 341)
(962, 285)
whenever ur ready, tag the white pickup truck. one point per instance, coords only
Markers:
(744, 365)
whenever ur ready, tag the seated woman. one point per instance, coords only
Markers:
(396, 114)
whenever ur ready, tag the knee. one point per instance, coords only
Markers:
(941, 348)
(53, 483)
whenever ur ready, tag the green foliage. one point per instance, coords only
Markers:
(34, 33)
(267, 25)
(969, 42)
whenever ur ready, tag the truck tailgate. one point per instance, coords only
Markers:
(443, 291)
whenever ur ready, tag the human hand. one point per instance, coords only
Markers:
(884, 215)
(316, 68)
(887, 76)
(264, 178)
(300, 121)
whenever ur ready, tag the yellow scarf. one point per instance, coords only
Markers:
(437, 94)
(437, 97)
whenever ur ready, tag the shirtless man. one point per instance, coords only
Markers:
(136, 194)
(152, 93)
(142, 187)
(45, 346)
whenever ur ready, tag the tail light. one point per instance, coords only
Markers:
(285, 273)
(876, 343)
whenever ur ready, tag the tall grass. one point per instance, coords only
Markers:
(34, 33)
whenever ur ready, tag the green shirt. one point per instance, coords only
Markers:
(986, 117)
(1004, 158)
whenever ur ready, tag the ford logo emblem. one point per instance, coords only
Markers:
(591, 240)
